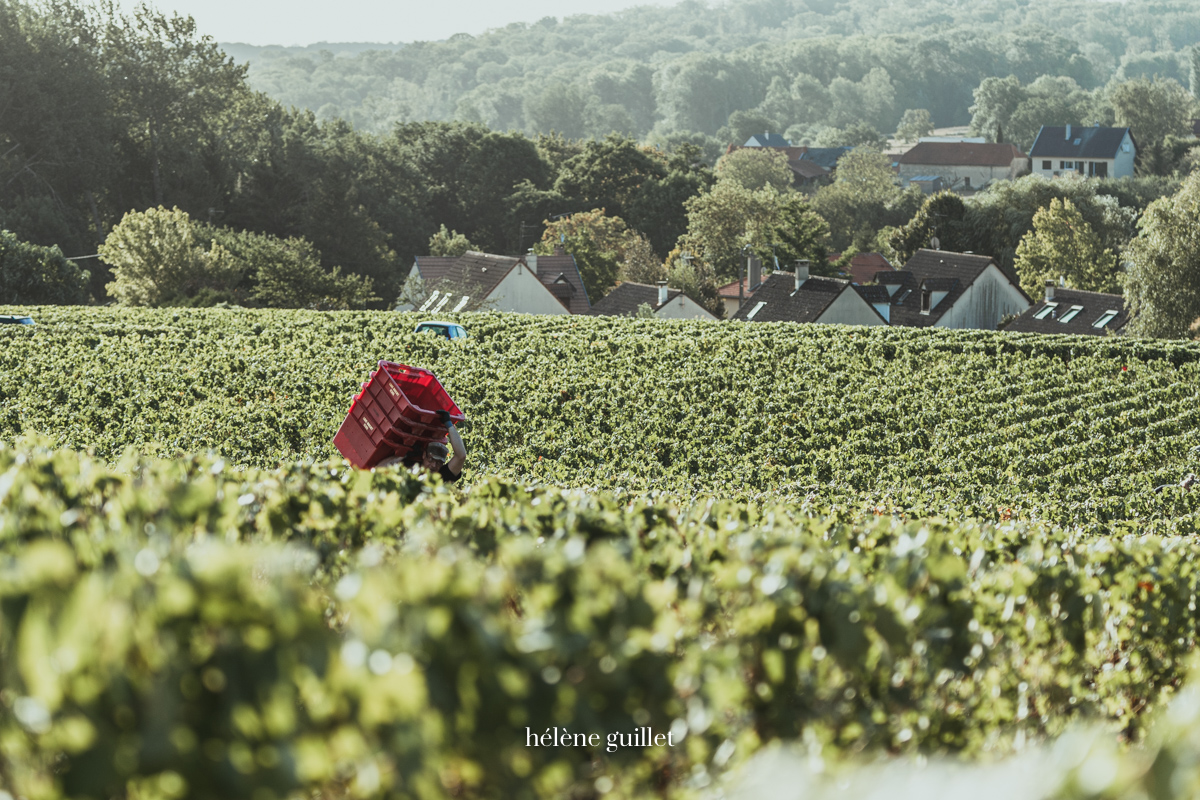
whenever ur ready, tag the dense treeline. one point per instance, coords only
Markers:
(801, 66)
(106, 114)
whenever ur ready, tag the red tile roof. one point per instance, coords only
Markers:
(962, 154)
(863, 266)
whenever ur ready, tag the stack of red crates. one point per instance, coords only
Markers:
(397, 410)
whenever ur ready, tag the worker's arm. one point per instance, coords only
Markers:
(459, 458)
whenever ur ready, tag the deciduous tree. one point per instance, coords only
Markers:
(1062, 246)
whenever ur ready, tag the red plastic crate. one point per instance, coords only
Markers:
(417, 393)
(386, 420)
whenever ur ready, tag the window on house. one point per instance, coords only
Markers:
(1125, 148)
(1066, 165)
(1047, 165)
(1045, 311)
(755, 310)
(1105, 318)
(1071, 313)
(903, 296)
(429, 302)
(925, 301)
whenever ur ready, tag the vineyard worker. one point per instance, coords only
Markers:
(433, 457)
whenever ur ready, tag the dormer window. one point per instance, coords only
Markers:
(1105, 318)
(925, 301)
(1046, 311)
(1071, 313)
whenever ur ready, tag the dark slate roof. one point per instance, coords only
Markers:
(767, 140)
(961, 154)
(807, 170)
(935, 270)
(1093, 142)
(473, 274)
(1095, 304)
(627, 297)
(827, 157)
(875, 295)
(559, 270)
(783, 303)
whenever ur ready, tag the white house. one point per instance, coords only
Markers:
(1093, 152)
(473, 281)
(799, 297)
(939, 289)
(664, 303)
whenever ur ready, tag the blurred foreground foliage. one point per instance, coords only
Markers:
(190, 628)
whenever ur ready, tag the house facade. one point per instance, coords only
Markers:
(799, 297)
(476, 281)
(961, 165)
(1073, 311)
(628, 297)
(1090, 152)
(952, 290)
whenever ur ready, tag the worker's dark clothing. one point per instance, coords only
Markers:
(418, 453)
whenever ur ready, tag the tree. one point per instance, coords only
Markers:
(1152, 109)
(941, 215)
(449, 243)
(858, 134)
(286, 273)
(599, 242)
(744, 124)
(999, 217)
(754, 168)
(157, 258)
(864, 198)
(1162, 284)
(31, 274)
(996, 99)
(1062, 246)
(726, 219)
(915, 123)
(695, 278)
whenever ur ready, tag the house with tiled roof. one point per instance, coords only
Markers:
(962, 165)
(862, 267)
(1073, 311)
(664, 303)
(559, 273)
(936, 288)
(767, 139)
(799, 297)
(735, 294)
(475, 281)
(1093, 152)
(810, 166)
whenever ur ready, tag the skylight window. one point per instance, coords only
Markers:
(1071, 313)
(432, 299)
(461, 303)
(1045, 312)
(755, 310)
(441, 303)
(1105, 318)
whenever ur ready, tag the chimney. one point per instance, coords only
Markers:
(755, 272)
(531, 262)
(801, 272)
(662, 293)
(1049, 291)
(1068, 136)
